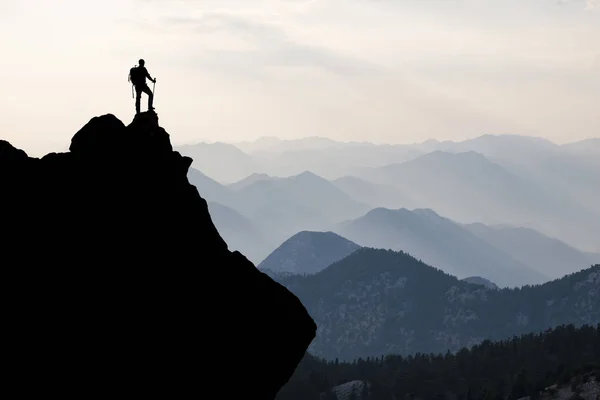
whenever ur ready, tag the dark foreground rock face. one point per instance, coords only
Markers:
(116, 281)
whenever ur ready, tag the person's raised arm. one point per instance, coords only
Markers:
(149, 77)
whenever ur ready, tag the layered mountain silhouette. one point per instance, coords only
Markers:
(118, 283)
(308, 252)
(279, 207)
(570, 169)
(493, 179)
(378, 302)
(440, 242)
(549, 256)
(239, 232)
(584, 146)
(211, 190)
(250, 179)
(468, 187)
(220, 161)
(495, 147)
(276, 157)
(374, 194)
(306, 196)
(572, 172)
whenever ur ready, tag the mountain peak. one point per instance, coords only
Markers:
(308, 252)
(438, 241)
(107, 135)
(109, 251)
(426, 212)
(250, 179)
(307, 175)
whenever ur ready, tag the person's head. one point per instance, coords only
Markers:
(142, 62)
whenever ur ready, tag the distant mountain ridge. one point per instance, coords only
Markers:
(221, 161)
(280, 207)
(468, 187)
(374, 194)
(586, 145)
(495, 146)
(308, 253)
(440, 242)
(249, 180)
(239, 232)
(377, 302)
(549, 256)
(306, 199)
(277, 207)
(493, 179)
(210, 189)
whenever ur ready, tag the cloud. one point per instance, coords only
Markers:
(261, 42)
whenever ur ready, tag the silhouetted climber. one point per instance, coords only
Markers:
(137, 76)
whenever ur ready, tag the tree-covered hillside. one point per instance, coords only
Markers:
(377, 302)
(509, 369)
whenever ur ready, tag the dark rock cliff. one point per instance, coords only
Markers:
(116, 281)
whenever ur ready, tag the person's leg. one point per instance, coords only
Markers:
(138, 97)
(150, 97)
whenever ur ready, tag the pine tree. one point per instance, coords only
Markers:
(364, 395)
(329, 395)
(469, 394)
(519, 389)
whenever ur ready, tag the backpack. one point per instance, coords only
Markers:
(136, 76)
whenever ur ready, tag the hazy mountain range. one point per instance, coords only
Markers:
(276, 208)
(439, 242)
(551, 257)
(507, 179)
(509, 203)
(468, 187)
(508, 257)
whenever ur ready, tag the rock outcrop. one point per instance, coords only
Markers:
(117, 283)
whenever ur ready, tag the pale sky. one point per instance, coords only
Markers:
(395, 71)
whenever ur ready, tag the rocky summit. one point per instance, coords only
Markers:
(116, 281)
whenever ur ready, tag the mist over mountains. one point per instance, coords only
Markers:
(440, 242)
(512, 202)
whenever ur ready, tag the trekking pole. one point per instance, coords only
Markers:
(132, 96)
(153, 85)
